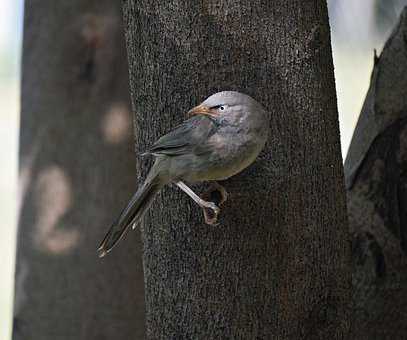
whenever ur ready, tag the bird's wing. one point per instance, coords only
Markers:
(189, 137)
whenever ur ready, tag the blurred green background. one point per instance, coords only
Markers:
(358, 27)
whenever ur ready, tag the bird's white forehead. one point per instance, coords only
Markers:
(227, 98)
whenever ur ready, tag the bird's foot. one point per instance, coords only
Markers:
(216, 195)
(211, 213)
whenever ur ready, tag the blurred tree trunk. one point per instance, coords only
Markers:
(278, 265)
(77, 170)
(376, 178)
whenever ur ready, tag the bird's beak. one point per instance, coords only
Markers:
(201, 110)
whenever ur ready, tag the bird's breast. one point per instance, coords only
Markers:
(231, 153)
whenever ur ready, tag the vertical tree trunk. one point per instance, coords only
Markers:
(277, 266)
(376, 178)
(77, 170)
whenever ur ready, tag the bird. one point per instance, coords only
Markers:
(222, 136)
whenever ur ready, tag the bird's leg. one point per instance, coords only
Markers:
(202, 203)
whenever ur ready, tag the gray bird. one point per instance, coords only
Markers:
(224, 135)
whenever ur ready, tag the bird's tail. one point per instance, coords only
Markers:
(132, 214)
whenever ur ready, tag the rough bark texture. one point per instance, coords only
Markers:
(277, 266)
(77, 170)
(376, 178)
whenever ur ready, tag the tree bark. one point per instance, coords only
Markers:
(278, 265)
(77, 169)
(376, 178)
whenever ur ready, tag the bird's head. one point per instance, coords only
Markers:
(230, 105)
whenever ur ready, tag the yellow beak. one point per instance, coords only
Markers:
(201, 110)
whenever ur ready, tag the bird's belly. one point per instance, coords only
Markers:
(224, 171)
(224, 163)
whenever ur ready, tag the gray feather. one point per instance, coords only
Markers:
(189, 137)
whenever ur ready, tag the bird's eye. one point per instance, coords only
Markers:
(218, 107)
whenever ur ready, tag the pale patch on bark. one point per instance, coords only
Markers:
(53, 198)
(116, 124)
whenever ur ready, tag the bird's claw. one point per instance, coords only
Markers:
(212, 218)
(215, 186)
(211, 211)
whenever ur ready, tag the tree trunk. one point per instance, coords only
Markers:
(376, 178)
(277, 266)
(77, 170)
